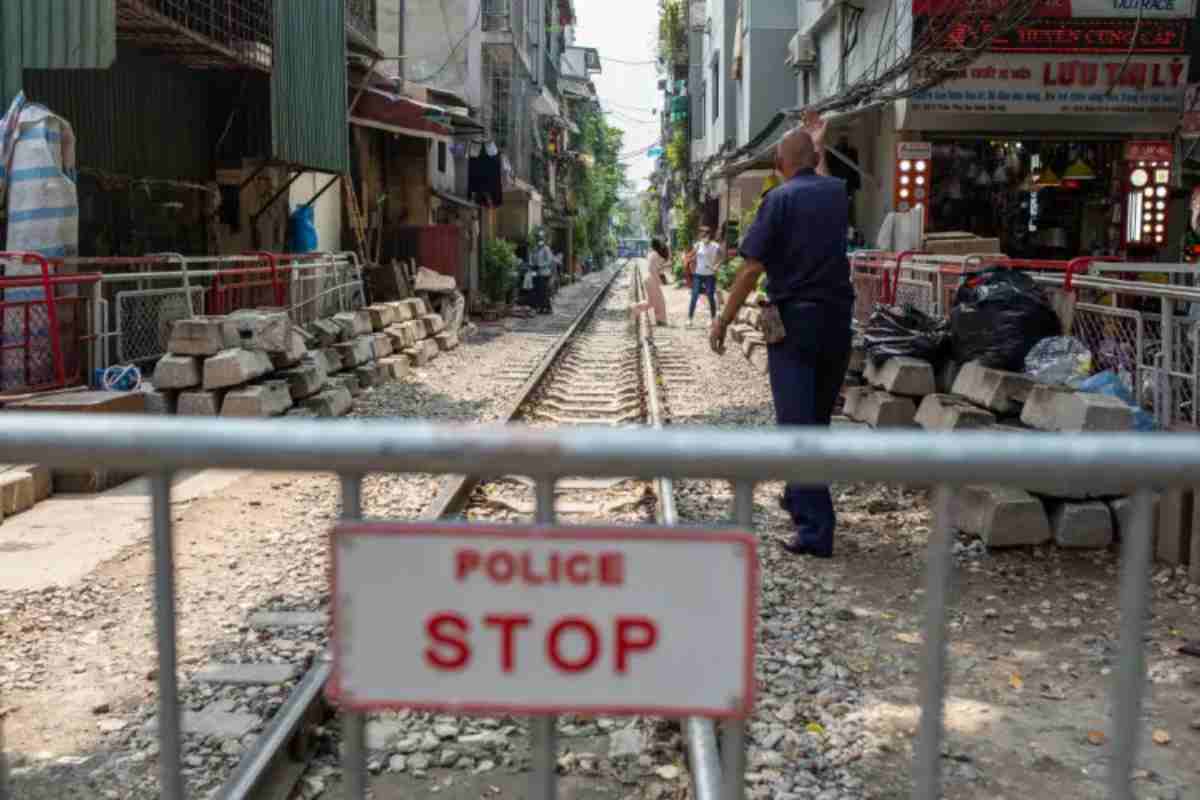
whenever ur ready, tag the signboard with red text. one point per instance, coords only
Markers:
(1061, 84)
(1067, 9)
(503, 619)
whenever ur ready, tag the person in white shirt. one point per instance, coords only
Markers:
(704, 277)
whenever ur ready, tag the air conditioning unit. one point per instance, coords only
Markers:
(802, 52)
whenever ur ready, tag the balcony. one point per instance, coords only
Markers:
(201, 33)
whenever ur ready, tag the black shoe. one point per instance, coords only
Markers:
(797, 549)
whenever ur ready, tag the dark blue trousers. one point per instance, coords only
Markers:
(807, 369)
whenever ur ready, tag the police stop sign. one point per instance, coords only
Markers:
(543, 620)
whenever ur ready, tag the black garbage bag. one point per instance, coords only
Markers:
(905, 331)
(998, 316)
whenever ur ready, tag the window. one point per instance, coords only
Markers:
(716, 85)
(442, 157)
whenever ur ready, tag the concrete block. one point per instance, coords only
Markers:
(381, 345)
(1123, 522)
(1081, 525)
(1001, 516)
(234, 367)
(296, 350)
(88, 481)
(1174, 541)
(161, 402)
(268, 399)
(17, 493)
(248, 674)
(200, 404)
(446, 340)
(330, 358)
(353, 323)
(332, 402)
(417, 329)
(198, 336)
(401, 336)
(402, 310)
(256, 329)
(434, 324)
(1054, 408)
(910, 377)
(946, 412)
(751, 341)
(395, 368)
(883, 410)
(422, 352)
(326, 332)
(305, 379)
(738, 332)
(177, 372)
(994, 389)
(354, 352)
(382, 315)
(852, 396)
(369, 375)
(42, 481)
(348, 381)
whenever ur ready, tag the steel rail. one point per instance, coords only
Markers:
(454, 495)
(700, 733)
(281, 755)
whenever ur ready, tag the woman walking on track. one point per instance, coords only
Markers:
(656, 263)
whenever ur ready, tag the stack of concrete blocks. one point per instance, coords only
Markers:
(1043, 508)
(22, 486)
(890, 392)
(255, 363)
(746, 333)
(416, 333)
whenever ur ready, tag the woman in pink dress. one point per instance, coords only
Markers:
(659, 259)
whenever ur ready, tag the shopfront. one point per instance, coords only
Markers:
(1058, 141)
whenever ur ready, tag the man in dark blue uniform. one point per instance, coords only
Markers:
(799, 240)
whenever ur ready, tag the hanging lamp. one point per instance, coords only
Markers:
(1046, 179)
(1079, 171)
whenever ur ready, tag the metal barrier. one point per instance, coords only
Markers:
(1158, 352)
(1112, 463)
(45, 324)
(139, 298)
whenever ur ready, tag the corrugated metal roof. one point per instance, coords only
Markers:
(45, 34)
(309, 121)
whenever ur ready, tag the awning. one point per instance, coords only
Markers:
(453, 198)
(397, 112)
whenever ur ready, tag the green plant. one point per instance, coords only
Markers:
(727, 272)
(499, 269)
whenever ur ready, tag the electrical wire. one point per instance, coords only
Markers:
(630, 63)
(1137, 27)
(453, 50)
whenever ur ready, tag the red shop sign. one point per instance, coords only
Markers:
(1149, 151)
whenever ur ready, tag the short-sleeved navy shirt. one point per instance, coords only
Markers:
(799, 235)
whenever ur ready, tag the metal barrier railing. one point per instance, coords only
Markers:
(45, 324)
(139, 298)
(1107, 463)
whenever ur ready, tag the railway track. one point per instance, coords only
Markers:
(601, 371)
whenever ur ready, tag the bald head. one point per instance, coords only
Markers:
(796, 152)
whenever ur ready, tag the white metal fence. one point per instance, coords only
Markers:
(138, 299)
